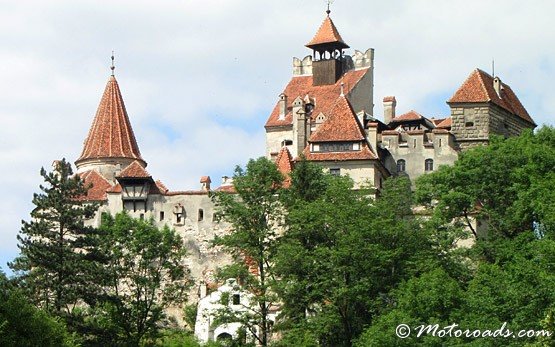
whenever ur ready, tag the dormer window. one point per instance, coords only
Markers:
(338, 147)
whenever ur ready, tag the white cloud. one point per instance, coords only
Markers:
(200, 77)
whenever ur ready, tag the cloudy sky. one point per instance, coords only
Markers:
(199, 77)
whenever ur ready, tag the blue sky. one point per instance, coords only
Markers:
(199, 78)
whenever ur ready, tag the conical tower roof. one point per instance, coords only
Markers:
(327, 35)
(111, 134)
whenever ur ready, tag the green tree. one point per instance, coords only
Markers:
(21, 324)
(342, 253)
(504, 185)
(254, 214)
(57, 265)
(145, 275)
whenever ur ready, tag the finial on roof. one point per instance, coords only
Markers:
(493, 67)
(342, 93)
(113, 67)
(329, 3)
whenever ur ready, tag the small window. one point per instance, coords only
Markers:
(469, 124)
(142, 216)
(286, 143)
(429, 165)
(401, 165)
(161, 215)
(179, 214)
(200, 214)
(236, 299)
(439, 143)
(335, 171)
(414, 143)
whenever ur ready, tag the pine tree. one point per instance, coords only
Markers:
(56, 265)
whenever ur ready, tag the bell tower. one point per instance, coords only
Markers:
(327, 47)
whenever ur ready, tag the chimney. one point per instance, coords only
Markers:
(389, 104)
(372, 132)
(498, 86)
(205, 183)
(282, 106)
(227, 181)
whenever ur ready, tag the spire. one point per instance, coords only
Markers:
(327, 37)
(111, 135)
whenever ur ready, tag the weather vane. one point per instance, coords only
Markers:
(329, 2)
(113, 67)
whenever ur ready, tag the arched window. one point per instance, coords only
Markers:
(429, 165)
(401, 165)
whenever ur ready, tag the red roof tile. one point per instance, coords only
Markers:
(389, 99)
(163, 189)
(134, 170)
(111, 135)
(324, 96)
(227, 188)
(445, 123)
(340, 125)
(205, 179)
(98, 186)
(284, 162)
(478, 87)
(409, 116)
(327, 33)
(115, 189)
(364, 154)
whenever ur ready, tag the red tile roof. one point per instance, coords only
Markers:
(389, 99)
(324, 96)
(284, 162)
(163, 189)
(227, 188)
(340, 125)
(445, 123)
(205, 179)
(111, 135)
(409, 116)
(98, 186)
(115, 189)
(478, 87)
(134, 170)
(327, 33)
(364, 154)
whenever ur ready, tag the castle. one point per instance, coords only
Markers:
(325, 113)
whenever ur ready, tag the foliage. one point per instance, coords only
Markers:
(341, 254)
(504, 185)
(145, 275)
(57, 266)
(254, 215)
(21, 324)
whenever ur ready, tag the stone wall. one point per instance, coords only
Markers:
(415, 147)
(275, 137)
(473, 123)
(361, 171)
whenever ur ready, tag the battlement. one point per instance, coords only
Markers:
(358, 61)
